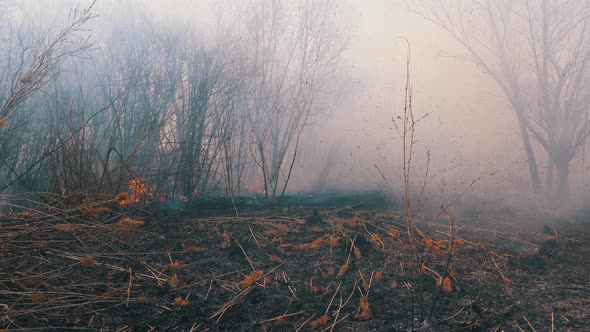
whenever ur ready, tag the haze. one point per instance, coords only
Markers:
(470, 130)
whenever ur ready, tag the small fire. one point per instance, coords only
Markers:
(138, 192)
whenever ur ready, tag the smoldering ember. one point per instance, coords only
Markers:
(294, 165)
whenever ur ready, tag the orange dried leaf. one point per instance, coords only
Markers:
(202, 227)
(128, 224)
(317, 229)
(377, 240)
(333, 240)
(179, 302)
(365, 311)
(365, 286)
(349, 223)
(90, 212)
(274, 258)
(378, 275)
(193, 249)
(251, 279)
(322, 321)
(38, 298)
(174, 282)
(394, 284)
(226, 241)
(447, 287)
(357, 253)
(174, 266)
(331, 270)
(343, 270)
(303, 246)
(284, 246)
(171, 266)
(393, 232)
(267, 280)
(3, 121)
(270, 232)
(317, 244)
(88, 260)
(364, 303)
(446, 284)
(66, 227)
(142, 299)
(28, 213)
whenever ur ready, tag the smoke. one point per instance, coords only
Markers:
(468, 132)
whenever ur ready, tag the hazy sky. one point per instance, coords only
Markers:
(470, 129)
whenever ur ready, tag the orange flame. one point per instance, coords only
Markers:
(138, 192)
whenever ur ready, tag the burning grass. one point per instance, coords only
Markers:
(270, 269)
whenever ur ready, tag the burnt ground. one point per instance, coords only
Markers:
(341, 265)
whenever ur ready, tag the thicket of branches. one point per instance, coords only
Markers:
(184, 116)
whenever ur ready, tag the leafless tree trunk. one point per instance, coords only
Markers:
(539, 54)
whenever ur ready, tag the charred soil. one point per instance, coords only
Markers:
(331, 265)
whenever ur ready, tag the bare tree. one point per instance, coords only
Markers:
(37, 62)
(538, 52)
(30, 60)
(295, 49)
(181, 115)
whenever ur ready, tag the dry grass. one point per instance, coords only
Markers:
(63, 267)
